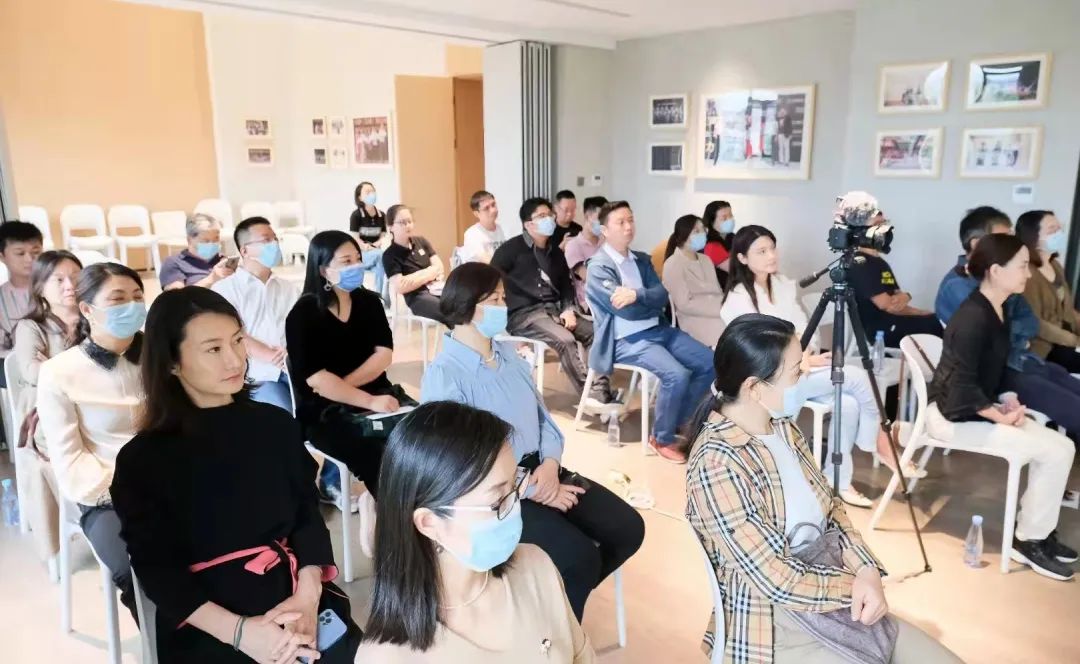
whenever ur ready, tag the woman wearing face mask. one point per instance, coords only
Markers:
(412, 266)
(48, 330)
(87, 400)
(1048, 291)
(453, 585)
(192, 537)
(719, 226)
(587, 530)
(801, 585)
(369, 224)
(690, 280)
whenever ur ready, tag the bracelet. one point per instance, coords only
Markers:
(238, 633)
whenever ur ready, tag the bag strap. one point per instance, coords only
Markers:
(923, 354)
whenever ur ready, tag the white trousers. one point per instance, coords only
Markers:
(1050, 457)
(858, 415)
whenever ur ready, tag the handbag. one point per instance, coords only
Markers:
(849, 639)
(368, 422)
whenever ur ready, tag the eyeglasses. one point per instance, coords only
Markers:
(503, 506)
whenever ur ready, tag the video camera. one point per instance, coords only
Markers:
(853, 224)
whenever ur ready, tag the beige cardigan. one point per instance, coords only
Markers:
(1058, 324)
(696, 294)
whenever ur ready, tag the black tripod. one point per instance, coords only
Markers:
(843, 299)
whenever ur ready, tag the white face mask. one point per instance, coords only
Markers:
(793, 400)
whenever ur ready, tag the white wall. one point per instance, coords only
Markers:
(503, 139)
(582, 108)
(290, 71)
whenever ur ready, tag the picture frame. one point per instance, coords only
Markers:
(257, 128)
(339, 156)
(1008, 82)
(921, 87)
(908, 153)
(756, 133)
(667, 158)
(319, 156)
(318, 127)
(260, 156)
(336, 128)
(1001, 152)
(668, 111)
(372, 143)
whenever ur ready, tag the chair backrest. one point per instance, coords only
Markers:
(456, 257)
(171, 224)
(88, 257)
(129, 216)
(293, 211)
(38, 216)
(218, 209)
(919, 371)
(82, 217)
(719, 633)
(259, 209)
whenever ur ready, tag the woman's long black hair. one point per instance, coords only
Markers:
(1028, 226)
(436, 454)
(40, 273)
(320, 253)
(741, 272)
(168, 407)
(709, 217)
(684, 227)
(91, 279)
(752, 346)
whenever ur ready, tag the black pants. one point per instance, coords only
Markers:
(342, 439)
(1049, 389)
(423, 303)
(1065, 356)
(102, 529)
(898, 327)
(542, 322)
(587, 543)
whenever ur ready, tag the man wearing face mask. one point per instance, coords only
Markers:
(565, 210)
(201, 264)
(263, 301)
(540, 296)
(580, 248)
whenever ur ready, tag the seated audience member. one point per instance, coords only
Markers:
(192, 539)
(720, 230)
(628, 300)
(20, 244)
(412, 266)
(369, 224)
(540, 295)
(963, 405)
(1048, 290)
(756, 286)
(87, 400)
(201, 264)
(453, 585)
(565, 211)
(882, 305)
(803, 584)
(690, 279)
(339, 346)
(47, 330)
(581, 247)
(1044, 386)
(485, 236)
(263, 301)
(587, 530)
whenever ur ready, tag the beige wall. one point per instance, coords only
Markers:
(106, 102)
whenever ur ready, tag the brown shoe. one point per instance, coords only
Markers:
(669, 453)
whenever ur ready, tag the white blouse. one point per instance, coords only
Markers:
(783, 304)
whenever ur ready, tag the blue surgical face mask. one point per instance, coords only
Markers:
(492, 320)
(597, 228)
(124, 320)
(726, 227)
(1057, 242)
(794, 398)
(545, 226)
(350, 278)
(369, 199)
(270, 255)
(697, 241)
(207, 250)
(492, 541)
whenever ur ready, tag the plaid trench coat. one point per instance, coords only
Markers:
(736, 506)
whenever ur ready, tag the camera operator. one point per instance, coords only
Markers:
(882, 305)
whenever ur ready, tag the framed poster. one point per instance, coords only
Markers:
(667, 112)
(337, 127)
(260, 156)
(914, 88)
(257, 128)
(911, 153)
(371, 141)
(339, 157)
(319, 156)
(318, 127)
(1004, 152)
(1008, 82)
(667, 158)
(758, 133)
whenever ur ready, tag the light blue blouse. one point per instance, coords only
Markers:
(458, 373)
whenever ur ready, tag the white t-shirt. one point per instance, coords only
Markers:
(479, 242)
(800, 502)
(263, 308)
(784, 304)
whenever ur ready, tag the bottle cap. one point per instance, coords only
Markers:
(977, 520)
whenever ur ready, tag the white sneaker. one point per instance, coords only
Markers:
(852, 497)
(367, 524)
(910, 471)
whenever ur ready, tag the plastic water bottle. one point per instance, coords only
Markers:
(614, 435)
(10, 505)
(973, 545)
(878, 356)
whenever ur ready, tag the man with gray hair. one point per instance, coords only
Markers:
(201, 264)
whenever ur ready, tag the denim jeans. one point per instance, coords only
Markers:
(372, 260)
(859, 423)
(684, 367)
(274, 392)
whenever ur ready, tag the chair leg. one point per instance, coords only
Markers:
(1012, 488)
(923, 459)
(589, 378)
(65, 575)
(645, 402)
(123, 254)
(423, 343)
(345, 477)
(894, 482)
(155, 256)
(620, 609)
(112, 618)
(540, 362)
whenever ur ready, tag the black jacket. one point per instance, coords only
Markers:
(973, 357)
(523, 264)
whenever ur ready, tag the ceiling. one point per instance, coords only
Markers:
(598, 23)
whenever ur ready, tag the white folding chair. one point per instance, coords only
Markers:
(917, 436)
(88, 258)
(539, 348)
(86, 217)
(259, 209)
(38, 216)
(719, 631)
(137, 217)
(147, 623)
(293, 245)
(649, 385)
(69, 528)
(399, 311)
(171, 228)
(293, 213)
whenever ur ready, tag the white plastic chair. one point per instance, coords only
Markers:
(538, 350)
(620, 606)
(12, 432)
(218, 209)
(719, 630)
(147, 623)
(293, 212)
(137, 217)
(171, 228)
(86, 218)
(293, 245)
(259, 209)
(649, 384)
(88, 258)
(69, 528)
(38, 216)
(399, 311)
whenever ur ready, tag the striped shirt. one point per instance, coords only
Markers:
(14, 304)
(735, 504)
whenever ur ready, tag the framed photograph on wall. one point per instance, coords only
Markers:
(318, 127)
(913, 88)
(260, 156)
(371, 141)
(336, 127)
(1008, 82)
(1005, 152)
(339, 157)
(667, 158)
(667, 112)
(257, 128)
(319, 156)
(908, 153)
(759, 133)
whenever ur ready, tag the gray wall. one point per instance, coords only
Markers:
(583, 101)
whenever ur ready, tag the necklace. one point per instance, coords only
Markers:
(487, 577)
